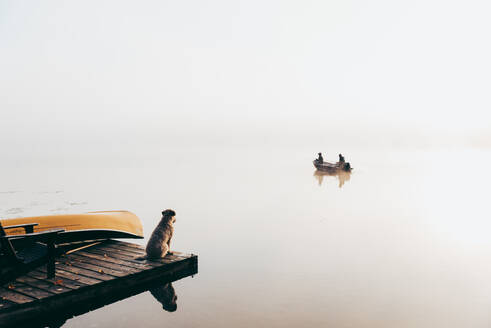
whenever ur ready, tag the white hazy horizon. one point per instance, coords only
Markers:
(123, 75)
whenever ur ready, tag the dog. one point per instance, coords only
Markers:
(159, 244)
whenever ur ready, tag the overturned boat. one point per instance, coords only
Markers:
(86, 226)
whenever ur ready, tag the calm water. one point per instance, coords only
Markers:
(404, 241)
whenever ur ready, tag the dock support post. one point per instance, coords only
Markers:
(50, 266)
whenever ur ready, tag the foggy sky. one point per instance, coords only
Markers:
(390, 73)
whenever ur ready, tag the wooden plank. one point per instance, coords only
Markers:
(97, 268)
(138, 252)
(5, 304)
(131, 259)
(103, 264)
(95, 274)
(27, 290)
(126, 247)
(57, 281)
(69, 275)
(14, 297)
(123, 247)
(127, 265)
(181, 254)
(123, 260)
(81, 273)
(174, 257)
(43, 284)
(132, 256)
(111, 252)
(113, 249)
(134, 251)
(136, 248)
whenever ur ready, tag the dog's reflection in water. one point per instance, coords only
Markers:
(166, 295)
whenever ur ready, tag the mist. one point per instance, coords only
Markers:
(101, 76)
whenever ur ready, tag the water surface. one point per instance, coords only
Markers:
(404, 241)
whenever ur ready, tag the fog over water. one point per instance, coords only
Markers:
(104, 73)
(217, 109)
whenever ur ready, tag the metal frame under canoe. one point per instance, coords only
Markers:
(87, 226)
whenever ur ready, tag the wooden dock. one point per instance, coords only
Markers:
(87, 279)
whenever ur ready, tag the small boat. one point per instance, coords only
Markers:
(332, 167)
(87, 226)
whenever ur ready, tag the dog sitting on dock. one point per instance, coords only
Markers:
(159, 244)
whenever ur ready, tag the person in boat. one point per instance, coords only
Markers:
(320, 159)
(341, 158)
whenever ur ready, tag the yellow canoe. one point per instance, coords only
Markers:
(87, 226)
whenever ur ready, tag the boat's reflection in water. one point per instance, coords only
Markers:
(342, 176)
(163, 292)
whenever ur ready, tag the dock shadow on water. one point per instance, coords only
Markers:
(342, 176)
(162, 291)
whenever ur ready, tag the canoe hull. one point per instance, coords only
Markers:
(87, 226)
